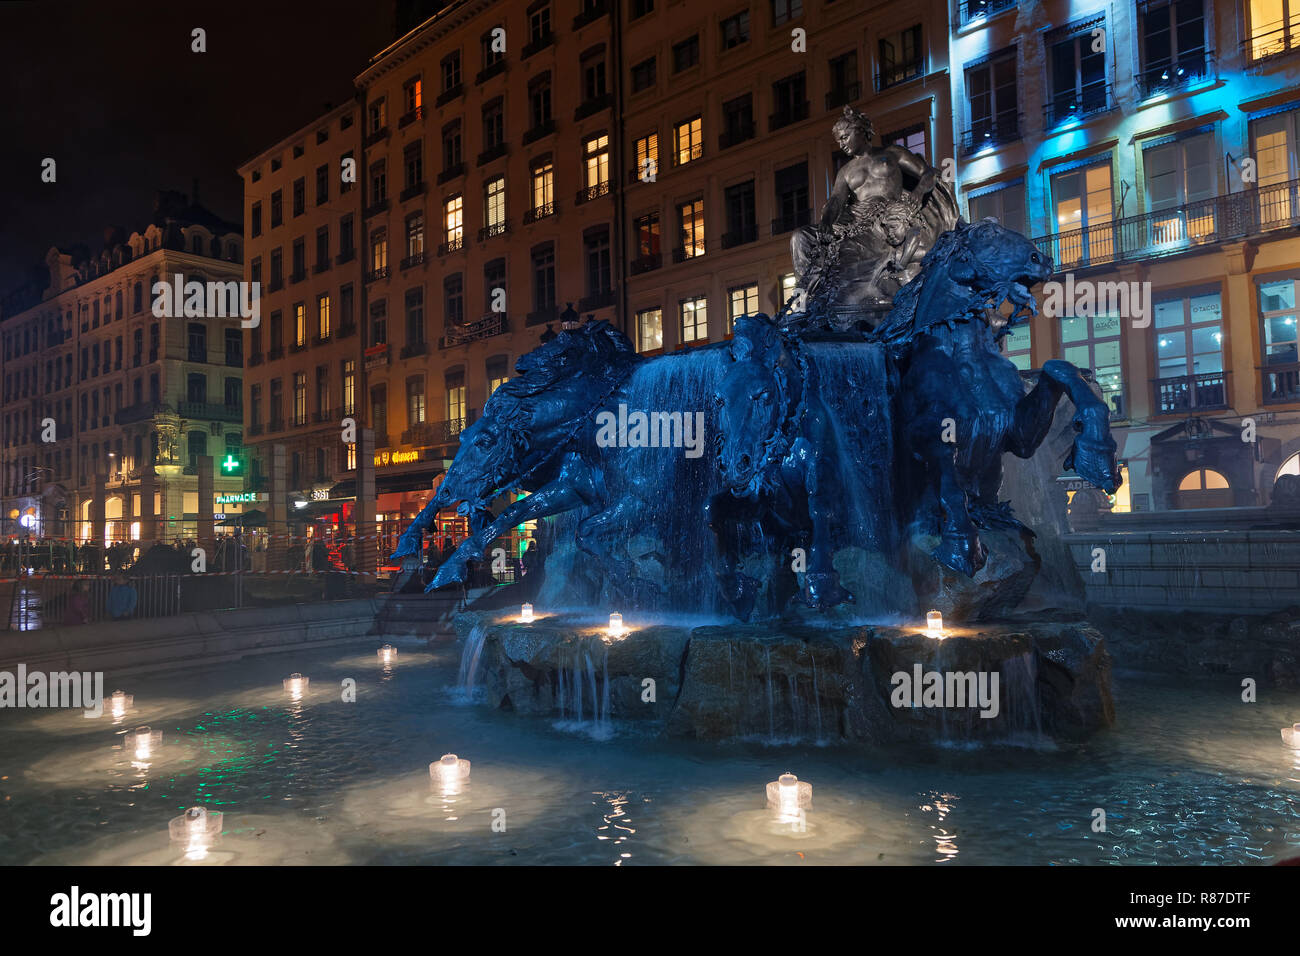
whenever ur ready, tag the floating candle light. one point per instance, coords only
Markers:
(197, 830)
(388, 653)
(934, 625)
(449, 772)
(526, 614)
(615, 624)
(141, 743)
(787, 794)
(295, 685)
(1291, 736)
(120, 703)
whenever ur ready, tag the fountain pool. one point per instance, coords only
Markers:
(1189, 774)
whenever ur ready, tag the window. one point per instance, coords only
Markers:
(415, 401)
(741, 300)
(688, 140)
(789, 100)
(1178, 174)
(1277, 304)
(378, 182)
(196, 388)
(300, 325)
(1006, 205)
(277, 333)
(322, 248)
(649, 330)
(322, 390)
(735, 30)
(494, 205)
(299, 196)
(379, 411)
(647, 236)
(595, 162)
(379, 323)
(789, 283)
(544, 278)
(742, 223)
(539, 24)
(596, 254)
(415, 316)
(497, 373)
(345, 309)
(1078, 76)
(379, 252)
(256, 219)
(346, 186)
(1173, 44)
(737, 120)
(197, 445)
(198, 343)
(346, 248)
(901, 58)
(349, 379)
(451, 72)
(299, 260)
(1274, 27)
(695, 319)
(277, 269)
(691, 217)
(323, 326)
(322, 184)
(1083, 208)
(493, 52)
(639, 8)
(643, 75)
(1017, 346)
(686, 54)
(455, 382)
(413, 163)
(593, 78)
(494, 119)
(451, 148)
(414, 236)
(783, 11)
(453, 221)
(792, 203)
(377, 116)
(994, 109)
(1189, 353)
(647, 157)
(277, 209)
(453, 298)
(413, 95)
(539, 101)
(300, 398)
(1093, 342)
(494, 281)
(1273, 139)
(911, 139)
(543, 187)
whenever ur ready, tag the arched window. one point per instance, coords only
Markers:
(1289, 467)
(1204, 488)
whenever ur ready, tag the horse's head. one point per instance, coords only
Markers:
(754, 399)
(999, 265)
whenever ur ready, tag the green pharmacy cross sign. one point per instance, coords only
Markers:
(232, 465)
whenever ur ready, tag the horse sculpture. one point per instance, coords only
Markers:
(962, 404)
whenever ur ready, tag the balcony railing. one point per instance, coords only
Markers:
(1281, 39)
(898, 74)
(413, 349)
(490, 71)
(593, 13)
(496, 229)
(739, 134)
(493, 152)
(738, 237)
(415, 259)
(791, 114)
(645, 264)
(539, 212)
(1170, 231)
(449, 94)
(789, 223)
(322, 265)
(1281, 383)
(545, 128)
(972, 10)
(597, 300)
(842, 95)
(413, 190)
(347, 329)
(592, 192)
(1076, 104)
(435, 433)
(410, 117)
(451, 172)
(536, 46)
(1190, 68)
(274, 353)
(492, 324)
(994, 131)
(375, 209)
(451, 245)
(375, 274)
(209, 412)
(592, 106)
(373, 138)
(1184, 393)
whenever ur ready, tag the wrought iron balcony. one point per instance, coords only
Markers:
(993, 131)
(275, 353)
(790, 114)
(1073, 104)
(451, 172)
(489, 71)
(1190, 68)
(435, 433)
(496, 229)
(642, 264)
(1183, 393)
(138, 412)
(536, 46)
(1252, 212)
(597, 300)
(375, 274)
(789, 223)
(544, 128)
(898, 74)
(593, 12)
(538, 213)
(377, 136)
(492, 324)
(592, 106)
(1281, 383)
(738, 237)
(413, 349)
(375, 209)
(593, 192)
(413, 190)
(209, 412)
(738, 134)
(415, 259)
(449, 94)
(1264, 45)
(692, 251)
(451, 245)
(377, 356)
(543, 315)
(493, 152)
(410, 117)
(972, 10)
(345, 255)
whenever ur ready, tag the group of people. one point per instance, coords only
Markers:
(524, 568)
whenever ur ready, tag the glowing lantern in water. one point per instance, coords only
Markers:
(1291, 736)
(787, 794)
(449, 772)
(615, 624)
(295, 685)
(141, 744)
(120, 703)
(934, 625)
(526, 614)
(388, 653)
(197, 830)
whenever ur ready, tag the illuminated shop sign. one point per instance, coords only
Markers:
(386, 458)
(234, 498)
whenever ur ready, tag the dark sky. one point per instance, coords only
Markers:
(112, 91)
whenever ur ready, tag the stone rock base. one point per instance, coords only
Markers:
(793, 681)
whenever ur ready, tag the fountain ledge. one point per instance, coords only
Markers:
(790, 681)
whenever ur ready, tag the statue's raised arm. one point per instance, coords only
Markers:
(886, 209)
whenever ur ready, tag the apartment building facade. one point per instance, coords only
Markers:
(107, 406)
(1152, 143)
(302, 206)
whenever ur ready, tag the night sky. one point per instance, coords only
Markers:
(114, 94)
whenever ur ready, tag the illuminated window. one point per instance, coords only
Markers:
(1274, 27)
(1084, 209)
(742, 300)
(1281, 354)
(691, 217)
(1189, 353)
(649, 330)
(494, 204)
(300, 398)
(543, 180)
(453, 220)
(1203, 479)
(1092, 342)
(647, 236)
(415, 235)
(323, 316)
(992, 100)
(349, 387)
(694, 319)
(415, 401)
(595, 161)
(1274, 141)
(414, 94)
(688, 140)
(456, 397)
(379, 252)
(789, 283)
(1077, 74)
(300, 324)
(1178, 175)
(647, 156)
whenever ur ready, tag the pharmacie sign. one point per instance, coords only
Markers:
(234, 498)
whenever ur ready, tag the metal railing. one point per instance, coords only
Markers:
(1075, 104)
(485, 328)
(1251, 212)
(1263, 44)
(973, 10)
(1182, 393)
(1281, 383)
(1165, 77)
(992, 131)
